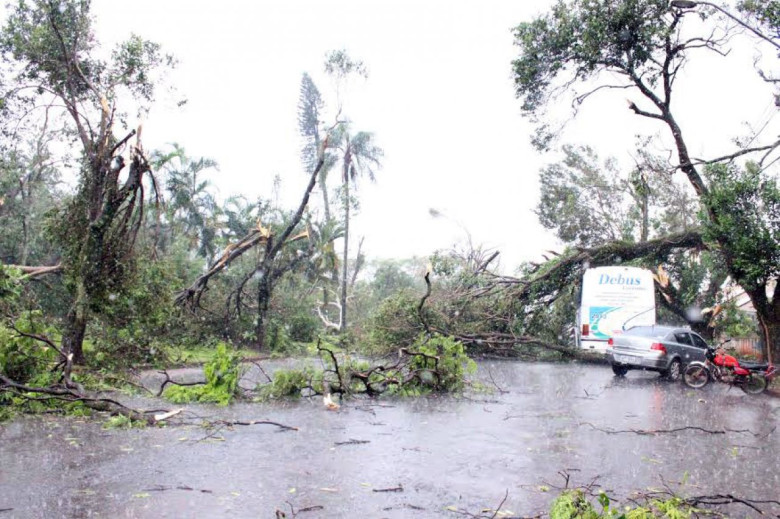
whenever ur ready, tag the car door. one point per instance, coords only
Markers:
(683, 346)
(699, 351)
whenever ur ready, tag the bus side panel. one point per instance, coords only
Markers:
(614, 299)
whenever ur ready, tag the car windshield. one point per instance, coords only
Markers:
(647, 331)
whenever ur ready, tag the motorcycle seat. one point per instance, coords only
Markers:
(755, 366)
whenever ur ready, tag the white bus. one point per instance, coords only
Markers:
(613, 299)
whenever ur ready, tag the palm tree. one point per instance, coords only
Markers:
(192, 209)
(239, 216)
(324, 261)
(359, 156)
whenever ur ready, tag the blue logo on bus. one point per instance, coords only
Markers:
(606, 279)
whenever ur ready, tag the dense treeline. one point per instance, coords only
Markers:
(147, 260)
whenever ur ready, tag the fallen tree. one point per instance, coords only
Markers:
(489, 312)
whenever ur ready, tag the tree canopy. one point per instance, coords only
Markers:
(640, 46)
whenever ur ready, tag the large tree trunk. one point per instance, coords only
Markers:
(324, 188)
(769, 322)
(345, 266)
(771, 334)
(76, 326)
(263, 303)
(645, 231)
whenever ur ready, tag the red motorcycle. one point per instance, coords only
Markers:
(752, 378)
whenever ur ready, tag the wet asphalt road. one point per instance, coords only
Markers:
(624, 434)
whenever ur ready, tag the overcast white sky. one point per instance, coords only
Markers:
(439, 100)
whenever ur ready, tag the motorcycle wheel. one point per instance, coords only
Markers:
(696, 376)
(754, 384)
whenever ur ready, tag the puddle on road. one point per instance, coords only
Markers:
(403, 458)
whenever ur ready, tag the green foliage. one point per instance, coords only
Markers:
(23, 359)
(10, 286)
(123, 422)
(290, 383)
(553, 323)
(277, 340)
(732, 322)
(191, 214)
(395, 323)
(575, 504)
(340, 65)
(6, 411)
(582, 200)
(588, 202)
(310, 105)
(292, 314)
(29, 183)
(765, 12)
(223, 373)
(437, 363)
(578, 38)
(447, 372)
(51, 50)
(37, 403)
(384, 279)
(747, 222)
(572, 504)
(135, 325)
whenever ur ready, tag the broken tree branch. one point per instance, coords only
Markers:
(191, 295)
(32, 272)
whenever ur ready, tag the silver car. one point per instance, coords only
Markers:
(665, 349)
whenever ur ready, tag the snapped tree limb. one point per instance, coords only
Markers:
(191, 295)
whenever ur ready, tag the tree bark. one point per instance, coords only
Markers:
(76, 326)
(345, 266)
(263, 303)
(768, 314)
(645, 231)
(324, 188)
(772, 340)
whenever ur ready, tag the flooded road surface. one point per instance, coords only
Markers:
(436, 452)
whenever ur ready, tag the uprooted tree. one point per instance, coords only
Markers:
(640, 46)
(50, 53)
(504, 315)
(590, 203)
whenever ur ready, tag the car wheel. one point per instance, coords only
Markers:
(675, 371)
(619, 371)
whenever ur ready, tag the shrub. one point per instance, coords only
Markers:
(395, 323)
(131, 326)
(277, 340)
(22, 359)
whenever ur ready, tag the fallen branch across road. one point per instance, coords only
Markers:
(231, 423)
(399, 488)
(651, 432)
(727, 499)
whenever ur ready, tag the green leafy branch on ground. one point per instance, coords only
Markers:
(576, 504)
(223, 373)
(591, 502)
(431, 364)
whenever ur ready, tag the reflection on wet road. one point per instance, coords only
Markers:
(462, 452)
